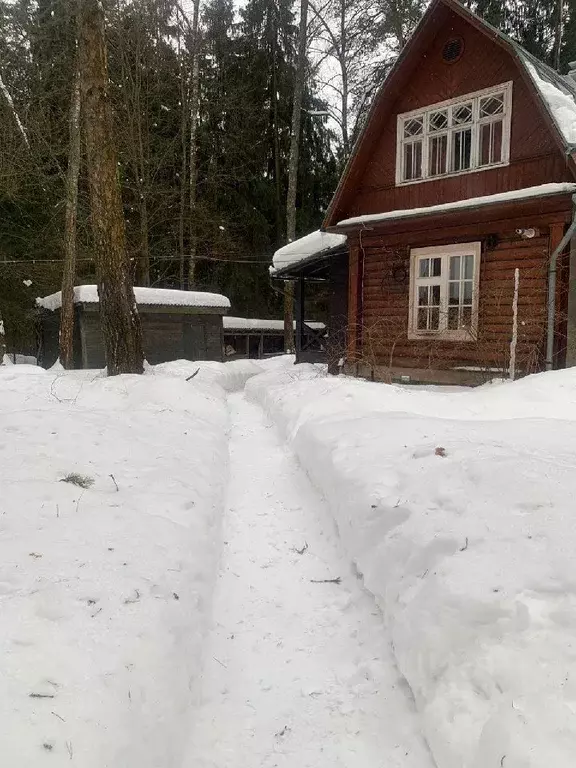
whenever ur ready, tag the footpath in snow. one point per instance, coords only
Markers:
(458, 509)
(297, 673)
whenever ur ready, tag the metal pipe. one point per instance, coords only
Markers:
(552, 270)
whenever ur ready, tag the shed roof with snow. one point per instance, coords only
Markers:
(175, 325)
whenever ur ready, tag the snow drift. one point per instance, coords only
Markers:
(457, 508)
(110, 499)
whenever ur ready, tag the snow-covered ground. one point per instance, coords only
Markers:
(454, 509)
(297, 673)
(105, 591)
(458, 510)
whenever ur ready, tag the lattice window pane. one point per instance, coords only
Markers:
(438, 121)
(414, 126)
(492, 105)
(424, 268)
(435, 295)
(436, 267)
(462, 114)
(467, 285)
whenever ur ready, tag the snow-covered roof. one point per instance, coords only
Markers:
(305, 247)
(559, 95)
(253, 324)
(88, 294)
(543, 190)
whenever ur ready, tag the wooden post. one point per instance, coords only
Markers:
(557, 230)
(300, 298)
(571, 324)
(514, 339)
(353, 305)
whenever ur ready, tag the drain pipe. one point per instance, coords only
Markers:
(552, 270)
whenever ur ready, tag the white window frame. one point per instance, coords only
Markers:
(505, 88)
(444, 252)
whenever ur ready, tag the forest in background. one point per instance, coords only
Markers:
(202, 96)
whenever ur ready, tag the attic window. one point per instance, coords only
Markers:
(457, 136)
(453, 50)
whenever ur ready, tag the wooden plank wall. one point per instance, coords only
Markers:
(383, 322)
(165, 336)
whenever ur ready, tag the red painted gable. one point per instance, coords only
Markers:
(421, 79)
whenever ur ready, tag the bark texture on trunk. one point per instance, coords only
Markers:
(2, 341)
(293, 169)
(69, 271)
(193, 175)
(121, 331)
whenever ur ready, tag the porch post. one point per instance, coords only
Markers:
(299, 295)
(571, 324)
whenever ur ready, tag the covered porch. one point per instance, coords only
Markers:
(317, 259)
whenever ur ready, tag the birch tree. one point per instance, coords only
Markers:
(120, 323)
(301, 65)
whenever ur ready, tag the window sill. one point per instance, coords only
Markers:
(466, 336)
(443, 176)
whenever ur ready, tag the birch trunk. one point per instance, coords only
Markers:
(69, 270)
(2, 341)
(293, 170)
(193, 174)
(119, 320)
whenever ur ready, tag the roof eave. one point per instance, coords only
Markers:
(292, 271)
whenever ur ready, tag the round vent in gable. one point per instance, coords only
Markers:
(453, 50)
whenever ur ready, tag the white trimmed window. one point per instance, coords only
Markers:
(458, 136)
(444, 292)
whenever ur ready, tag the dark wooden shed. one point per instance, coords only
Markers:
(175, 325)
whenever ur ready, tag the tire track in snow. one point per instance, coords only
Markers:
(297, 674)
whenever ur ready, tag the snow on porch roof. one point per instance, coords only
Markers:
(544, 190)
(88, 294)
(311, 245)
(254, 324)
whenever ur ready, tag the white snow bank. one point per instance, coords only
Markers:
(254, 324)
(561, 103)
(458, 510)
(305, 247)
(88, 294)
(231, 376)
(105, 590)
(543, 190)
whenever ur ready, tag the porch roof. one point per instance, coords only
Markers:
(512, 196)
(304, 254)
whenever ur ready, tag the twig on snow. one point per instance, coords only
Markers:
(58, 716)
(220, 662)
(114, 481)
(337, 580)
(302, 550)
(196, 372)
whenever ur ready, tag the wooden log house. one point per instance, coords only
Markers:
(464, 172)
